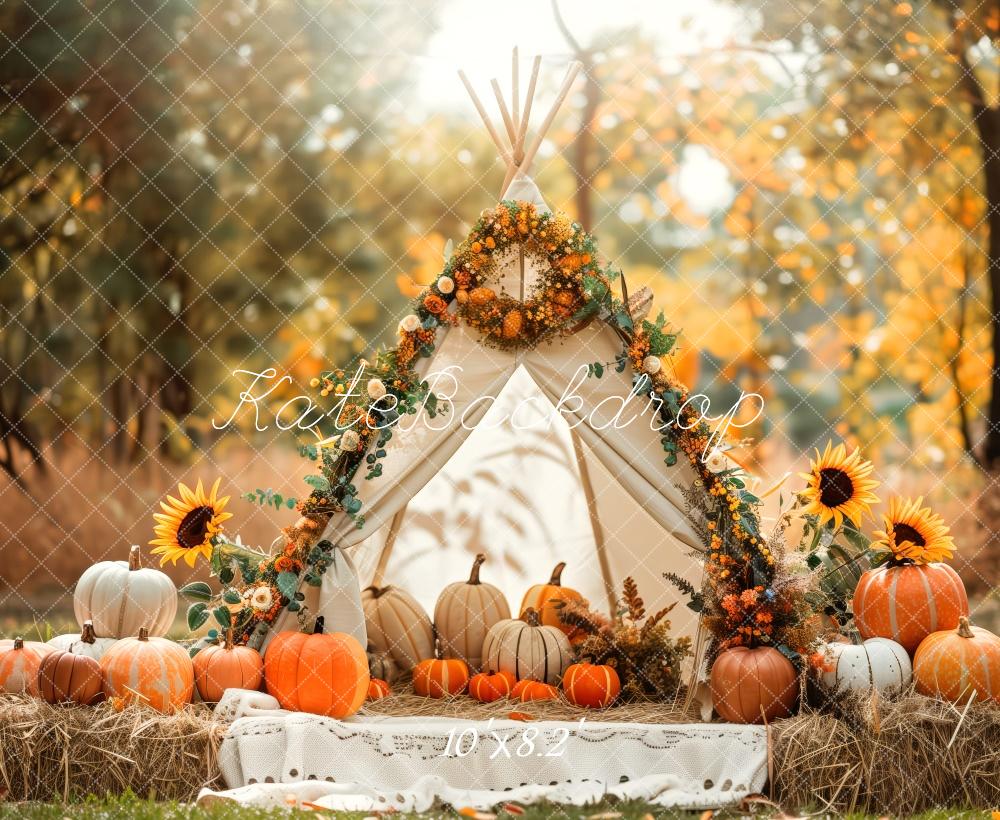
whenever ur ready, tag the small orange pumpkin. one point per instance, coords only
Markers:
(753, 685)
(317, 673)
(20, 661)
(907, 603)
(592, 685)
(221, 667)
(487, 687)
(378, 689)
(528, 690)
(440, 677)
(65, 677)
(150, 670)
(545, 598)
(953, 664)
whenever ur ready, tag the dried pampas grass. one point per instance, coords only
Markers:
(64, 752)
(901, 755)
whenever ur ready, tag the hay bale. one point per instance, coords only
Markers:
(899, 755)
(63, 752)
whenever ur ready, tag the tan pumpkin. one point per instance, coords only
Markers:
(753, 685)
(120, 597)
(955, 663)
(464, 613)
(317, 673)
(527, 649)
(225, 666)
(547, 598)
(907, 603)
(85, 643)
(382, 667)
(20, 661)
(148, 670)
(439, 678)
(398, 625)
(67, 678)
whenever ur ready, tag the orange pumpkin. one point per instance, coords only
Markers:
(65, 677)
(378, 689)
(440, 677)
(592, 685)
(528, 690)
(753, 685)
(907, 603)
(154, 671)
(221, 667)
(487, 687)
(544, 599)
(317, 673)
(953, 664)
(20, 661)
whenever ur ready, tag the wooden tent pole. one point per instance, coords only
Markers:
(390, 541)
(522, 130)
(515, 91)
(529, 154)
(595, 521)
(508, 123)
(504, 154)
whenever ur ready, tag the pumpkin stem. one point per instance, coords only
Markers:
(229, 639)
(964, 629)
(531, 617)
(143, 633)
(474, 575)
(318, 626)
(133, 558)
(19, 643)
(87, 634)
(556, 579)
(377, 592)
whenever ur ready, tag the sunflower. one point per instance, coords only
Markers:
(186, 526)
(914, 534)
(838, 486)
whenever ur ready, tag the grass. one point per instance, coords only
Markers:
(128, 806)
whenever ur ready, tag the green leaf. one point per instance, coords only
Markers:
(223, 617)
(197, 614)
(287, 583)
(231, 596)
(290, 503)
(318, 483)
(196, 591)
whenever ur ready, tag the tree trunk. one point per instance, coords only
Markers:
(988, 127)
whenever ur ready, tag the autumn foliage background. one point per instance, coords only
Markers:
(193, 187)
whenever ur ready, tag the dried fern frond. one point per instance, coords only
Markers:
(635, 606)
(579, 615)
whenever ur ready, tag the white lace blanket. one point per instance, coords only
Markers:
(373, 762)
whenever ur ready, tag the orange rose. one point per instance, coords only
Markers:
(435, 304)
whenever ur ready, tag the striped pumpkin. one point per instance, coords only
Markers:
(907, 603)
(592, 685)
(20, 661)
(527, 649)
(398, 625)
(148, 670)
(954, 663)
(527, 691)
(440, 677)
(86, 643)
(378, 689)
(877, 663)
(487, 687)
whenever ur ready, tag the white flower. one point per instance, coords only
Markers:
(446, 284)
(652, 365)
(376, 389)
(262, 599)
(410, 323)
(716, 461)
(350, 440)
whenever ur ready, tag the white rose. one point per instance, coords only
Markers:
(376, 389)
(262, 599)
(716, 461)
(652, 365)
(349, 441)
(446, 284)
(410, 323)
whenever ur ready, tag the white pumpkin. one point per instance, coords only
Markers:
(527, 649)
(398, 625)
(877, 663)
(121, 597)
(465, 612)
(337, 600)
(85, 643)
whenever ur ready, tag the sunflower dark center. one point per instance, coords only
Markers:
(194, 525)
(904, 532)
(835, 487)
